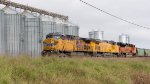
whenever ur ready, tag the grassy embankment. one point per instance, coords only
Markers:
(25, 70)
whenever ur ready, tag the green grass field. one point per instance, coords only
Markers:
(26, 70)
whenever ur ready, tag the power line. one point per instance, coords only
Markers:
(114, 15)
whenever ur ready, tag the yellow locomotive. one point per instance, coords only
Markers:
(56, 43)
(106, 48)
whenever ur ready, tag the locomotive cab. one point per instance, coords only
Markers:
(52, 43)
(56, 43)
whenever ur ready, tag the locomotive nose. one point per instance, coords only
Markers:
(50, 44)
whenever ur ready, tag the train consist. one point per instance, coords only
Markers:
(65, 45)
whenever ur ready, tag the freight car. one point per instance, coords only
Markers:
(59, 44)
(143, 52)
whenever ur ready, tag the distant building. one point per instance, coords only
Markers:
(96, 34)
(124, 38)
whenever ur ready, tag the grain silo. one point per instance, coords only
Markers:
(91, 35)
(10, 31)
(124, 38)
(2, 48)
(31, 34)
(96, 34)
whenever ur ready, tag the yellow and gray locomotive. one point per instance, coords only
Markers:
(56, 43)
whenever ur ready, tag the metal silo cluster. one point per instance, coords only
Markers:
(23, 33)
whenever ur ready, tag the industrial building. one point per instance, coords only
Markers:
(23, 28)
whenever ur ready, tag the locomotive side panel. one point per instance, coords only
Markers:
(68, 45)
(106, 47)
(115, 49)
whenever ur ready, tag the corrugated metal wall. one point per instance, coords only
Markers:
(1, 32)
(32, 36)
(73, 30)
(48, 27)
(11, 34)
(21, 35)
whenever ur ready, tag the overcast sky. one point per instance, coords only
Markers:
(87, 18)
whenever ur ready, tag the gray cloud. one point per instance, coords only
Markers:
(88, 18)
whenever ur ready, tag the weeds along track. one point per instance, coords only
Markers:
(103, 58)
(85, 70)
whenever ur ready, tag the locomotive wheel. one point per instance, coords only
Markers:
(43, 53)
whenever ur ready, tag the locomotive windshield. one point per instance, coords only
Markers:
(54, 35)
